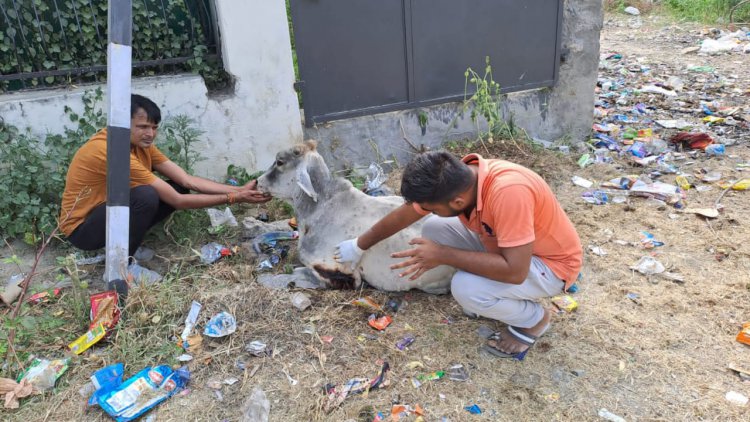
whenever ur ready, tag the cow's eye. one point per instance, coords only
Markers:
(279, 163)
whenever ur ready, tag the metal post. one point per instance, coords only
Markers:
(118, 143)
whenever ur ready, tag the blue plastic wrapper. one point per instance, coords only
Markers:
(473, 409)
(220, 325)
(106, 379)
(141, 393)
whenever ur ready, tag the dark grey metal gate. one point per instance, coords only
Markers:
(359, 57)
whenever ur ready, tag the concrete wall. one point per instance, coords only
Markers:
(563, 112)
(246, 127)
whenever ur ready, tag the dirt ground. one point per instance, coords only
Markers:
(660, 354)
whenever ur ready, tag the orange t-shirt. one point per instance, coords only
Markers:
(515, 207)
(86, 181)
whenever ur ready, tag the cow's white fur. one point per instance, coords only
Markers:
(330, 210)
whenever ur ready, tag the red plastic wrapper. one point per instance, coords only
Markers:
(695, 140)
(43, 297)
(104, 310)
(380, 323)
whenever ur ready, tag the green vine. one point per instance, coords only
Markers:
(42, 35)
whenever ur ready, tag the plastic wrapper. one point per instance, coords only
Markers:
(338, 393)
(140, 393)
(43, 297)
(211, 252)
(106, 379)
(104, 310)
(220, 325)
(744, 335)
(380, 323)
(367, 303)
(565, 303)
(42, 373)
(405, 342)
(81, 344)
(191, 319)
(219, 217)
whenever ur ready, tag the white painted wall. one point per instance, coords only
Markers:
(247, 128)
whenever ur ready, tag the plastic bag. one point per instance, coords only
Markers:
(42, 373)
(220, 325)
(218, 217)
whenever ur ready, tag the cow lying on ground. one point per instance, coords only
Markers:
(330, 210)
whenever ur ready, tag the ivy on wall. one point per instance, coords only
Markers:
(49, 35)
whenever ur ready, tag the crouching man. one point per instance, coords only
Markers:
(83, 210)
(499, 225)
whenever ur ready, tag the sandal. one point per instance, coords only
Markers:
(521, 337)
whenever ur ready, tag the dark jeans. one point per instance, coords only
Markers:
(146, 209)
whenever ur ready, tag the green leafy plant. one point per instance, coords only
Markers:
(32, 171)
(40, 36)
(180, 137)
(238, 175)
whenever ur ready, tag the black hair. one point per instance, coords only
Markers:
(435, 176)
(138, 102)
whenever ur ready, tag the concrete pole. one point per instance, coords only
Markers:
(118, 143)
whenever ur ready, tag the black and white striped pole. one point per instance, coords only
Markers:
(118, 144)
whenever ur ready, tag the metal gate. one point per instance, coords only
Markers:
(359, 57)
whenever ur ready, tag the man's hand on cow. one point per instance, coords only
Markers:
(348, 252)
(424, 256)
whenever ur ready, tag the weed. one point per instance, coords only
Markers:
(180, 137)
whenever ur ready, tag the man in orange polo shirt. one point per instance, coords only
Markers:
(83, 210)
(499, 225)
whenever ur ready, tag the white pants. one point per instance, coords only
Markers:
(513, 304)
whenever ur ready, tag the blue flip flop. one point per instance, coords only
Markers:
(521, 337)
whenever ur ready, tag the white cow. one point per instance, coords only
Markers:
(330, 210)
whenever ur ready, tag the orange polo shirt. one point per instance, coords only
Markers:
(86, 181)
(515, 206)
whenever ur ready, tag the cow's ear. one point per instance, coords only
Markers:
(304, 182)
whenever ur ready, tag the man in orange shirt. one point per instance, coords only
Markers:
(499, 225)
(83, 210)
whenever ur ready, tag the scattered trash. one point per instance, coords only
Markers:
(565, 303)
(367, 303)
(609, 416)
(12, 391)
(694, 140)
(432, 376)
(258, 348)
(301, 301)
(744, 335)
(597, 250)
(736, 398)
(220, 325)
(376, 177)
(405, 342)
(104, 310)
(674, 124)
(458, 372)
(392, 305)
(190, 320)
(43, 297)
(725, 43)
(219, 217)
(705, 212)
(12, 289)
(81, 344)
(301, 277)
(715, 150)
(597, 197)
(338, 393)
(648, 265)
(268, 241)
(648, 241)
(42, 374)
(91, 260)
(473, 409)
(380, 323)
(142, 392)
(256, 408)
(211, 252)
(580, 181)
(142, 275)
(184, 358)
(634, 297)
(399, 411)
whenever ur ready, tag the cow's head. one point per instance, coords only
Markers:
(296, 171)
